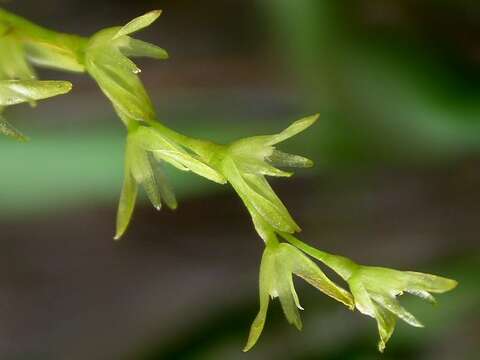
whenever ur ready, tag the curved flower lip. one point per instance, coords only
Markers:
(279, 263)
(375, 291)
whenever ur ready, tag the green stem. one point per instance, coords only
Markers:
(341, 265)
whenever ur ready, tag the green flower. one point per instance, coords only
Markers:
(279, 263)
(106, 60)
(375, 290)
(14, 92)
(146, 149)
(246, 162)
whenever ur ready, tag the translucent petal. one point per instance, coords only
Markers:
(261, 186)
(251, 165)
(137, 48)
(288, 299)
(415, 281)
(425, 295)
(127, 201)
(305, 268)
(117, 77)
(265, 283)
(18, 91)
(7, 129)
(143, 173)
(270, 212)
(166, 191)
(279, 158)
(391, 304)
(138, 23)
(386, 323)
(297, 127)
(361, 297)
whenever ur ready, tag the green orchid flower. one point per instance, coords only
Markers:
(279, 263)
(106, 60)
(375, 289)
(246, 162)
(14, 92)
(146, 150)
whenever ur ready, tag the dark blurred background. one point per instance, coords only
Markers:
(396, 181)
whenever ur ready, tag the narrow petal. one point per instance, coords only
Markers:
(391, 304)
(166, 191)
(363, 303)
(127, 202)
(427, 282)
(279, 158)
(297, 127)
(117, 77)
(305, 268)
(425, 295)
(7, 129)
(265, 283)
(138, 23)
(260, 185)
(138, 48)
(18, 91)
(143, 173)
(252, 165)
(386, 323)
(288, 298)
(270, 211)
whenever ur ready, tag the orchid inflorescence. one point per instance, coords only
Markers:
(244, 164)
